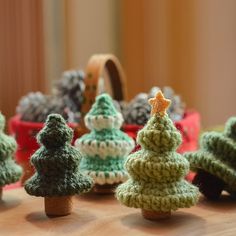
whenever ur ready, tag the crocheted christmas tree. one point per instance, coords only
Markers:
(157, 171)
(106, 146)
(10, 172)
(215, 162)
(57, 175)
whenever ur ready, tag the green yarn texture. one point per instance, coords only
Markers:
(10, 172)
(103, 106)
(217, 155)
(57, 162)
(157, 171)
(106, 166)
(105, 135)
(106, 146)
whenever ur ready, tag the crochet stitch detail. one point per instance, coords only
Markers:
(103, 114)
(10, 172)
(57, 163)
(156, 171)
(159, 135)
(105, 143)
(217, 156)
(105, 147)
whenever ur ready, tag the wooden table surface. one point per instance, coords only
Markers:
(21, 214)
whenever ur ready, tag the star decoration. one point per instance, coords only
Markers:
(159, 104)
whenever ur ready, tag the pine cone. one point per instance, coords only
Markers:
(36, 107)
(70, 88)
(153, 91)
(138, 110)
(30, 106)
(177, 107)
(120, 105)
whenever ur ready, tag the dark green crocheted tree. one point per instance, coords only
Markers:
(157, 171)
(215, 162)
(56, 162)
(106, 146)
(10, 172)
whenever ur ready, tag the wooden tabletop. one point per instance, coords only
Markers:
(21, 214)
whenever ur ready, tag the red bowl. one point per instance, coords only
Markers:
(25, 134)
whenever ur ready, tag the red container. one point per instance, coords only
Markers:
(25, 134)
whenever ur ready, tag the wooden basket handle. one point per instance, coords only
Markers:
(95, 67)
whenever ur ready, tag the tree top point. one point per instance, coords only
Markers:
(159, 104)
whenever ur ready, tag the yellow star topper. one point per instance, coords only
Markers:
(159, 104)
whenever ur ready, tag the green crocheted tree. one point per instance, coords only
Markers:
(215, 162)
(106, 146)
(157, 171)
(56, 162)
(10, 172)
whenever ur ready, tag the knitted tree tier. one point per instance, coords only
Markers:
(57, 175)
(157, 171)
(215, 162)
(105, 147)
(10, 172)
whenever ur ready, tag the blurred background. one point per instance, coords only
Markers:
(189, 45)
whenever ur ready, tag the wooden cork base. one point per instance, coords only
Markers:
(28, 171)
(58, 206)
(105, 188)
(155, 215)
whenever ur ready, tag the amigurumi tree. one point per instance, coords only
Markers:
(10, 172)
(157, 171)
(57, 176)
(215, 162)
(106, 146)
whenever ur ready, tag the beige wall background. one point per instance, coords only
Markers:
(190, 45)
(91, 27)
(214, 94)
(22, 58)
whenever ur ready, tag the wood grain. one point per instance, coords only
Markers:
(21, 214)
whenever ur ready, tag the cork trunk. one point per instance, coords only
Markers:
(105, 188)
(155, 215)
(58, 206)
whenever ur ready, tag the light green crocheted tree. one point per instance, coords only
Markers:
(157, 171)
(215, 162)
(106, 146)
(10, 172)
